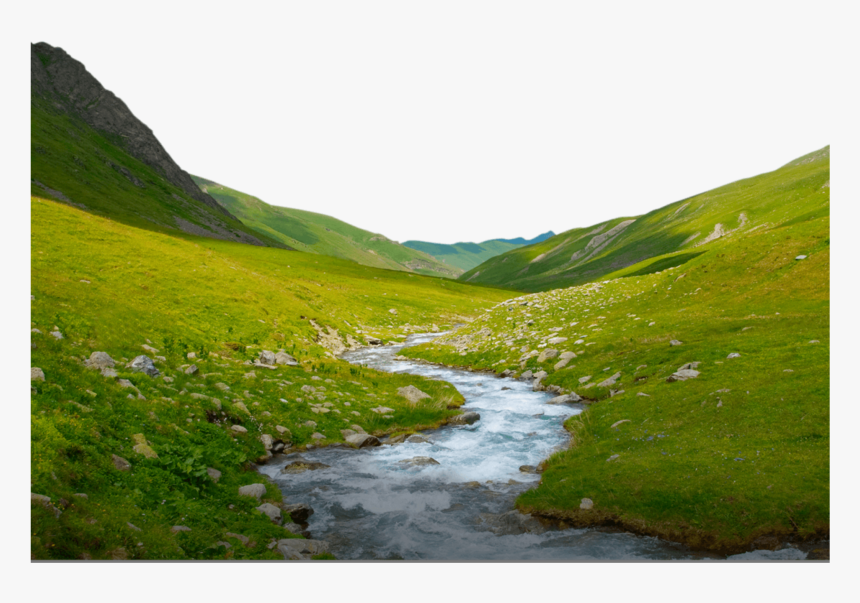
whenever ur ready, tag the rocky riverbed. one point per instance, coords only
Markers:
(449, 495)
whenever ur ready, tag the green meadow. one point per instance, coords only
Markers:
(105, 286)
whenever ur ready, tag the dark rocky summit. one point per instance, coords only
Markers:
(65, 82)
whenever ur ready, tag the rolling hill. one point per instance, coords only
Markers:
(798, 191)
(90, 151)
(318, 233)
(466, 256)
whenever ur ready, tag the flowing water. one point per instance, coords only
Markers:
(369, 506)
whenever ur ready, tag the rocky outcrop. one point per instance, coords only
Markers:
(66, 83)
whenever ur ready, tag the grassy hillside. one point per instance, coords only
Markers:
(735, 453)
(466, 256)
(104, 286)
(94, 169)
(792, 193)
(318, 233)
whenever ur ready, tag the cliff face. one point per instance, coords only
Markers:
(65, 82)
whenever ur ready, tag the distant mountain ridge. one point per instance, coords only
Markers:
(466, 256)
(88, 149)
(318, 233)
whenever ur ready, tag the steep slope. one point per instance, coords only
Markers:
(318, 233)
(703, 377)
(466, 256)
(125, 457)
(89, 150)
(796, 192)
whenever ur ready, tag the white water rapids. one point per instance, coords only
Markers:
(369, 506)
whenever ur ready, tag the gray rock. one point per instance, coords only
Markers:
(317, 436)
(612, 458)
(800, 257)
(419, 461)
(527, 376)
(109, 373)
(510, 523)
(584, 379)
(610, 381)
(547, 354)
(676, 342)
(565, 399)
(285, 359)
(556, 340)
(528, 469)
(255, 490)
(267, 440)
(302, 465)
(214, 474)
(266, 357)
(357, 428)
(298, 512)
(466, 418)
(682, 375)
(238, 429)
(412, 393)
(299, 548)
(99, 360)
(418, 439)
(373, 341)
(143, 364)
(362, 440)
(270, 510)
(192, 370)
(617, 423)
(36, 374)
(586, 504)
(177, 529)
(222, 386)
(733, 355)
(120, 463)
(56, 335)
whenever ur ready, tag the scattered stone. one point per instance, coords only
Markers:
(382, 410)
(99, 360)
(56, 335)
(467, 418)
(547, 354)
(266, 357)
(144, 364)
(214, 474)
(36, 374)
(270, 510)
(412, 393)
(617, 423)
(299, 512)
(528, 469)
(133, 527)
(238, 429)
(251, 375)
(255, 490)
(586, 504)
(145, 450)
(644, 394)
(149, 349)
(556, 340)
(675, 342)
(282, 358)
(299, 548)
(192, 370)
(120, 463)
(317, 436)
(584, 379)
(357, 428)
(267, 441)
(420, 461)
(177, 529)
(610, 381)
(301, 465)
(800, 257)
(814, 341)
(612, 458)
(222, 386)
(733, 355)
(362, 440)
(239, 405)
(283, 431)
(418, 439)
(565, 399)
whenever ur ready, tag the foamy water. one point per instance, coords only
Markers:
(369, 506)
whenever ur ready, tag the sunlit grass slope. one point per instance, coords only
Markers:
(740, 451)
(793, 193)
(73, 163)
(318, 233)
(109, 287)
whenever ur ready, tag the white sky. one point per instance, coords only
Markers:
(464, 121)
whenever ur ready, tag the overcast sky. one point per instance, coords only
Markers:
(464, 121)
